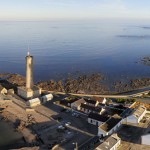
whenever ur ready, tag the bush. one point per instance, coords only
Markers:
(120, 100)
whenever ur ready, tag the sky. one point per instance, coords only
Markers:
(73, 9)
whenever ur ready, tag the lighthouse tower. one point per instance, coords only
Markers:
(29, 71)
(29, 91)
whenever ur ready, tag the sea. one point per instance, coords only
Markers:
(60, 47)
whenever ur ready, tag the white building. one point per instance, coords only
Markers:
(110, 126)
(91, 102)
(46, 98)
(96, 119)
(111, 143)
(137, 115)
(3, 90)
(76, 104)
(34, 102)
(145, 139)
(88, 109)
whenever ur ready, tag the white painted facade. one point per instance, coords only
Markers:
(94, 122)
(34, 102)
(111, 143)
(87, 111)
(47, 97)
(102, 111)
(145, 139)
(3, 91)
(104, 101)
(103, 133)
(134, 118)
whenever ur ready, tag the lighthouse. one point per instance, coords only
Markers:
(29, 71)
(29, 91)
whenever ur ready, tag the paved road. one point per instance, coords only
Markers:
(134, 93)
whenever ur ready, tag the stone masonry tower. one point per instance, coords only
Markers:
(29, 71)
(29, 91)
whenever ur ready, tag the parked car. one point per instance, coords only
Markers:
(68, 123)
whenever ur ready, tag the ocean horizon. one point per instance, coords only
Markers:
(112, 48)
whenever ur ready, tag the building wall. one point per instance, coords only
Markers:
(145, 139)
(104, 101)
(22, 93)
(102, 111)
(116, 145)
(3, 91)
(28, 93)
(140, 118)
(11, 91)
(94, 122)
(34, 102)
(96, 103)
(132, 119)
(73, 105)
(100, 131)
(47, 97)
(37, 93)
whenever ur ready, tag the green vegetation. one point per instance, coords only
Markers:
(71, 97)
(120, 100)
(109, 101)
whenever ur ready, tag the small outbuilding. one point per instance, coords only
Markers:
(34, 102)
(46, 98)
(3, 90)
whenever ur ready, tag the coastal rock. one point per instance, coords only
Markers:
(146, 61)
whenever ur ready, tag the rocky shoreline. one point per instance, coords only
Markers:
(146, 61)
(79, 84)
